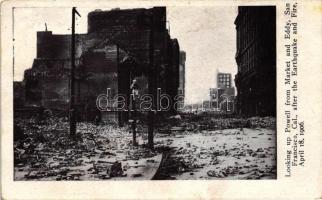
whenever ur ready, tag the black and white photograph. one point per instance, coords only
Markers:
(144, 93)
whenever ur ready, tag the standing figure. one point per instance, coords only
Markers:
(134, 93)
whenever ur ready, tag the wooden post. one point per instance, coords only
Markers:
(72, 109)
(119, 85)
(134, 121)
(151, 82)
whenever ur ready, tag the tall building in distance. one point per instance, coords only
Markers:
(223, 80)
(223, 97)
(256, 60)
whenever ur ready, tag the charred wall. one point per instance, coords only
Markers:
(116, 49)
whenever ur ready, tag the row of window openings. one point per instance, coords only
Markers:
(245, 67)
(250, 53)
(224, 76)
(246, 35)
(224, 80)
(225, 83)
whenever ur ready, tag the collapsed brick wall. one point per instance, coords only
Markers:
(115, 50)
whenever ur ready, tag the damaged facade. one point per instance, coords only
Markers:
(120, 45)
(256, 60)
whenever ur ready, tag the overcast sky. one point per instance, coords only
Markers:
(206, 34)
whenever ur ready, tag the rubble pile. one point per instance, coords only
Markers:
(45, 151)
(222, 154)
(205, 149)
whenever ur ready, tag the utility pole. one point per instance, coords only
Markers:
(72, 109)
(119, 86)
(152, 87)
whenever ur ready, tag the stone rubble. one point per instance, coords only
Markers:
(46, 152)
(194, 147)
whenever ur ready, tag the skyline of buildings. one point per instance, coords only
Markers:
(123, 41)
(199, 63)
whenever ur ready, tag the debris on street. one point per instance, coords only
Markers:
(189, 148)
(100, 152)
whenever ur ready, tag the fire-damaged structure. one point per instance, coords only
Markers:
(120, 46)
(256, 60)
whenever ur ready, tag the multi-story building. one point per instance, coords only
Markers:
(222, 98)
(256, 60)
(120, 45)
(223, 80)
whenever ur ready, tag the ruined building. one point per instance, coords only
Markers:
(256, 60)
(120, 45)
